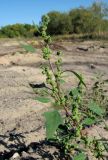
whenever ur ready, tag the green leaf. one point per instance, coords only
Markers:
(88, 121)
(28, 48)
(77, 75)
(43, 99)
(95, 108)
(75, 92)
(62, 81)
(105, 144)
(80, 156)
(53, 120)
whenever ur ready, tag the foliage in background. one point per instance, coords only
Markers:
(80, 20)
(59, 23)
(92, 21)
(18, 30)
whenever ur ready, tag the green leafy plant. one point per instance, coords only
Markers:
(28, 48)
(67, 126)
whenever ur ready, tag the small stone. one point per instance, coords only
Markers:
(31, 150)
(12, 63)
(83, 48)
(24, 154)
(24, 70)
(16, 156)
(92, 66)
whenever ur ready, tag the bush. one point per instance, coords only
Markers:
(18, 30)
(82, 21)
(59, 23)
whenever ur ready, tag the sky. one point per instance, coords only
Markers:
(27, 11)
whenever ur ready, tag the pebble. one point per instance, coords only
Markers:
(24, 154)
(16, 156)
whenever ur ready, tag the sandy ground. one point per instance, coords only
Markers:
(20, 113)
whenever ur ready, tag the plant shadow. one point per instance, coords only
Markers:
(14, 143)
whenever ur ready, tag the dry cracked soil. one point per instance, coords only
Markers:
(21, 120)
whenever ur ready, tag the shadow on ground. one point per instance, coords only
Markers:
(14, 143)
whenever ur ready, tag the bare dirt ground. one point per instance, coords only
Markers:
(20, 114)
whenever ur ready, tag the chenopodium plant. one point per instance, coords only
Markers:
(67, 127)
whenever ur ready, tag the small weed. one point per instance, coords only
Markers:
(69, 129)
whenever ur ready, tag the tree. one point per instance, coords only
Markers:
(99, 9)
(54, 22)
(65, 26)
(82, 21)
(18, 30)
(100, 12)
(59, 23)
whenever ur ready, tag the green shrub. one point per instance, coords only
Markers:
(59, 23)
(18, 30)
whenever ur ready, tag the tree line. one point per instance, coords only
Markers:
(93, 19)
(81, 20)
